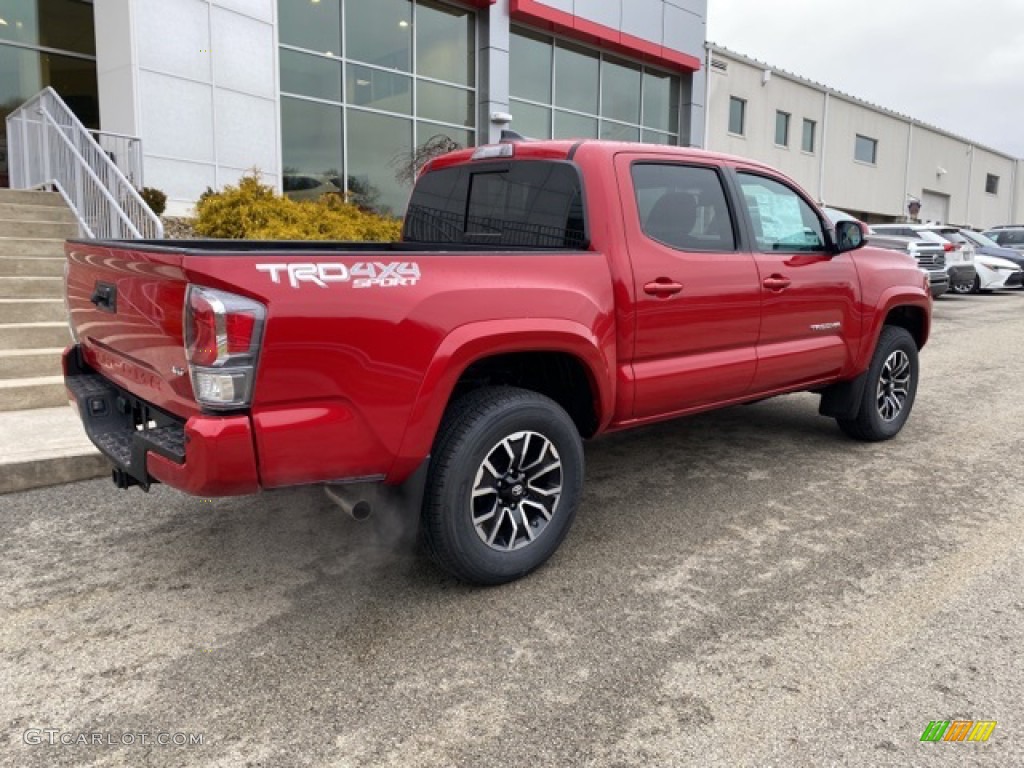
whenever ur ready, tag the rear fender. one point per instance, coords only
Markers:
(476, 341)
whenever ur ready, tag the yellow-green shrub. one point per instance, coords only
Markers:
(252, 210)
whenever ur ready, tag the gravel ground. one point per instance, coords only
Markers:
(741, 588)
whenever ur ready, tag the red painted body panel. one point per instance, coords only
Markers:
(353, 382)
(220, 458)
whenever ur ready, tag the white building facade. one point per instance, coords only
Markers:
(323, 95)
(853, 155)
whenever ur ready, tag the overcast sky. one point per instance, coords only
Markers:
(956, 65)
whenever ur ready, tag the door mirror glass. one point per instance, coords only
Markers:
(850, 235)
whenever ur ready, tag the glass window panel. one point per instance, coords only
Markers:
(311, 142)
(63, 24)
(75, 80)
(782, 129)
(427, 131)
(530, 120)
(379, 143)
(310, 75)
(683, 207)
(620, 91)
(737, 115)
(807, 144)
(782, 220)
(570, 126)
(530, 67)
(316, 26)
(380, 33)
(445, 43)
(655, 137)
(20, 77)
(865, 149)
(619, 132)
(378, 89)
(661, 102)
(444, 103)
(576, 77)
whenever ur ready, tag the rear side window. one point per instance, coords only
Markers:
(527, 203)
(683, 207)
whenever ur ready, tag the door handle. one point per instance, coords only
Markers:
(663, 288)
(777, 283)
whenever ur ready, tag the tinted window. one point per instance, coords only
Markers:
(782, 220)
(683, 207)
(530, 203)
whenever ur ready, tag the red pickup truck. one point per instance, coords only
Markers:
(543, 293)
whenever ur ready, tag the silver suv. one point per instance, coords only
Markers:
(959, 251)
(930, 257)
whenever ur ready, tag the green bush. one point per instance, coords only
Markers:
(155, 199)
(252, 210)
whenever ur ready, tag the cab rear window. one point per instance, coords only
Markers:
(521, 203)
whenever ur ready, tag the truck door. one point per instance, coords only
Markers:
(809, 293)
(697, 296)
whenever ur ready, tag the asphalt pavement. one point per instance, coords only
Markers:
(747, 587)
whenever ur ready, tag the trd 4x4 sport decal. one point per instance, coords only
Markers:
(367, 274)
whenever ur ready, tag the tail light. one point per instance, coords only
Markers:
(223, 333)
(947, 247)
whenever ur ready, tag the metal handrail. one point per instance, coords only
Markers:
(49, 146)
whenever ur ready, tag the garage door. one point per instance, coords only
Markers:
(934, 207)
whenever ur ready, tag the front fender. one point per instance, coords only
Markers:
(890, 299)
(469, 343)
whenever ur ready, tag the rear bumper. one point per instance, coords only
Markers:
(201, 455)
(938, 282)
(961, 274)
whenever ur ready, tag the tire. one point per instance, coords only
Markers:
(963, 288)
(505, 479)
(890, 389)
(976, 285)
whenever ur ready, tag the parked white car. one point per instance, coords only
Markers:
(995, 273)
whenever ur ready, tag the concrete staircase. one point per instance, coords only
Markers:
(41, 440)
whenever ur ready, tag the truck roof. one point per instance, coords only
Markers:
(566, 149)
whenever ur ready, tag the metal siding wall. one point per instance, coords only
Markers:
(879, 189)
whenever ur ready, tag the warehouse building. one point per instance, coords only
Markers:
(853, 155)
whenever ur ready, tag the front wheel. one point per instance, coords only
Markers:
(890, 389)
(506, 476)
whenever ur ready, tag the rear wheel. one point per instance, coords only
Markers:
(963, 288)
(506, 475)
(890, 389)
(976, 285)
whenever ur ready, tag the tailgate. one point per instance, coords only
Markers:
(126, 307)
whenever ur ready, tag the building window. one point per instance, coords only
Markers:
(810, 128)
(782, 129)
(362, 84)
(992, 184)
(47, 43)
(737, 116)
(865, 149)
(563, 90)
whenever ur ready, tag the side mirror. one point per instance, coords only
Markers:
(850, 235)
